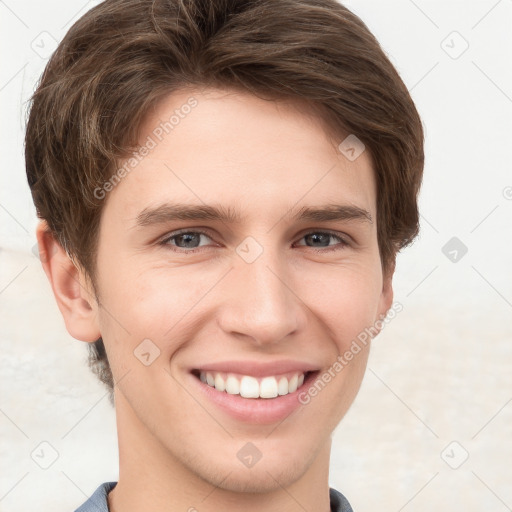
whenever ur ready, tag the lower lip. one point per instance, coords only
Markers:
(254, 410)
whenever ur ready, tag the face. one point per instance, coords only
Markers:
(271, 290)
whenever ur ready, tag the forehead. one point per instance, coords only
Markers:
(218, 146)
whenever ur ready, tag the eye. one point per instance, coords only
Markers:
(185, 240)
(190, 241)
(322, 239)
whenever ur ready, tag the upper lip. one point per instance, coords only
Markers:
(258, 369)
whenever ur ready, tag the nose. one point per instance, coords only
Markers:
(259, 301)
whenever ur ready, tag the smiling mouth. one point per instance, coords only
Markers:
(248, 386)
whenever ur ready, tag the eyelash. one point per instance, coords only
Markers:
(165, 241)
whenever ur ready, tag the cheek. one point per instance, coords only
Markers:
(140, 295)
(345, 299)
(168, 297)
(157, 304)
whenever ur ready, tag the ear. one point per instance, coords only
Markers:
(386, 297)
(72, 290)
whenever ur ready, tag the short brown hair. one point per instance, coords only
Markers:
(123, 56)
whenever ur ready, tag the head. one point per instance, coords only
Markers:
(152, 118)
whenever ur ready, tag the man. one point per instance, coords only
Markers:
(223, 188)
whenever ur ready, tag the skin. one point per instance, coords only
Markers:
(297, 300)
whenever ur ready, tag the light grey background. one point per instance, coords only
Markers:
(439, 382)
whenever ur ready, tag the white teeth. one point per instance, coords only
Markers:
(251, 387)
(292, 385)
(282, 387)
(232, 385)
(268, 387)
(219, 382)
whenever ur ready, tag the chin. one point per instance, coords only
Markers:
(267, 475)
(260, 481)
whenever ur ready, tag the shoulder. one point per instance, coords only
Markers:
(338, 502)
(98, 500)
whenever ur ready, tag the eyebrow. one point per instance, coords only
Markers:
(172, 212)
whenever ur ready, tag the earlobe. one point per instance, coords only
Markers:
(75, 299)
